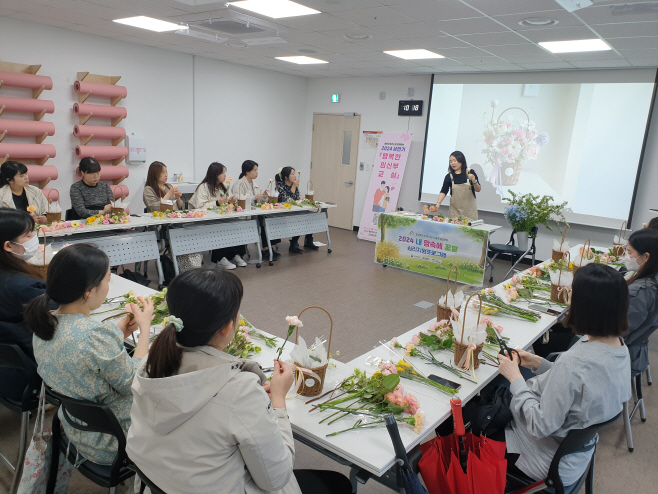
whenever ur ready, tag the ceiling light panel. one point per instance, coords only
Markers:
(575, 46)
(276, 9)
(301, 60)
(149, 23)
(419, 54)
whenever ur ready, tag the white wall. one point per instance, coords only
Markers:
(159, 98)
(246, 113)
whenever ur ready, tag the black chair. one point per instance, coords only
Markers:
(575, 442)
(145, 482)
(98, 418)
(516, 254)
(71, 215)
(12, 357)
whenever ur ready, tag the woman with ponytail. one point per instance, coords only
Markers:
(80, 357)
(203, 420)
(287, 184)
(20, 283)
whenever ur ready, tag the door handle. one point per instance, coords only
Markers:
(350, 183)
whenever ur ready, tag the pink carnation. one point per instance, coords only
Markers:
(413, 404)
(239, 209)
(106, 222)
(388, 368)
(415, 339)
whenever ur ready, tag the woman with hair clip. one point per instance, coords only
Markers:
(246, 186)
(83, 358)
(462, 183)
(642, 259)
(20, 283)
(90, 196)
(287, 184)
(211, 193)
(16, 191)
(157, 189)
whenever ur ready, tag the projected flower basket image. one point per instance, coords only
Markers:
(510, 141)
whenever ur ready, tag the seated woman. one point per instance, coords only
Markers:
(211, 193)
(246, 186)
(17, 193)
(20, 283)
(642, 258)
(81, 357)
(586, 385)
(202, 419)
(90, 196)
(287, 185)
(157, 189)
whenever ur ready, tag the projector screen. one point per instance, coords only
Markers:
(578, 141)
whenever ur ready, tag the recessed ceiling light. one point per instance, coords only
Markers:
(357, 37)
(275, 9)
(578, 45)
(238, 45)
(301, 60)
(306, 50)
(149, 23)
(413, 54)
(538, 22)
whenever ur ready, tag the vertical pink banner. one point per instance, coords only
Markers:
(385, 181)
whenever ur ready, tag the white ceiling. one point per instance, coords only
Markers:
(473, 35)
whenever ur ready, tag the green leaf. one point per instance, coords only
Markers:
(390, 382)
(395, 409)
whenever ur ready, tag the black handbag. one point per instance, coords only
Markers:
(491, 411)
(168, 271)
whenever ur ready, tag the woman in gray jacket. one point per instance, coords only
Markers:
(642, 258)
(203, 420)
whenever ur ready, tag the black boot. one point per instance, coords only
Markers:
(266, 255)
(310, 245)
(294, 247)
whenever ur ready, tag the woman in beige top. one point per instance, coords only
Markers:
(157, 189)
(210, 193)
(17, 193)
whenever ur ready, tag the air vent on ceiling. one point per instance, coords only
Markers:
(228, 27)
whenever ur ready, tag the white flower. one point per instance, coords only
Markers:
(494, 103)
(294, 321)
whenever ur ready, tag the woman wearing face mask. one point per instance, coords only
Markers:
(287, 184)
(462, 183)
(83, 358)
(20, 283)
(90, 196)
(16, 191)
(642, 259)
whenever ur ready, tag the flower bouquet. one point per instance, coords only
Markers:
(605, 257)
(468, 340)
(449, 303)
(58, 225)
(406, 370)
(585, 256)
(493, 305)
(309, 190)
(509, 143)
(272, 193)
(559, 249)
(620, 243)
(160, 215)
(526, 211)
(108, 219)
(242, 346)
(561, 273)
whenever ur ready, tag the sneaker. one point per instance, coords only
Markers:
(237, 260)
(225, 264)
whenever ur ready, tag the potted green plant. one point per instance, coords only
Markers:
(526, 211)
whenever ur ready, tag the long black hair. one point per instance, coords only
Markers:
(599, 302)
(10, 169)
(13, 224)
(214, 170)
(645, 241)
(74, 271)
(459, 156)
(283, 175)
(206, 300)
(247, 166)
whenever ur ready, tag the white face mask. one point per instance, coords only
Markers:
(31, 247)
(631, 263)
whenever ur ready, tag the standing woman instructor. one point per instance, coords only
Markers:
(462, 184)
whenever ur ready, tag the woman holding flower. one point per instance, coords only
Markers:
(462, 184)
(17, 193)
(287, 185)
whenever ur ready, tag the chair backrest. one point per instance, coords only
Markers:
(97, 417)
(12, 357)
(71, 215)
(575, 441)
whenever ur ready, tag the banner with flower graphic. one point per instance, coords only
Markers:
(431, 247)
(385, 180)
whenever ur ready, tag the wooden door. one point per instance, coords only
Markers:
(333, 164)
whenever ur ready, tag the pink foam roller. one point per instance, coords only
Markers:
(30, 81)
(101, 153)
(120, 191)
(109, 172)
(26, 128)
(27, 105)
(83, 109)
(98, 132)
(50, 194)
(98, 89)
(37, 173)
(27, 151)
